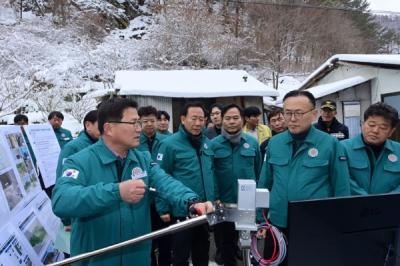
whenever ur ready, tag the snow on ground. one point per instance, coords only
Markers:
(7, 16)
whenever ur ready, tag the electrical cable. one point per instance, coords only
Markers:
(279, 245)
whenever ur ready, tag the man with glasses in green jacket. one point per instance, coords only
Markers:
(302, 162)
(104, 190)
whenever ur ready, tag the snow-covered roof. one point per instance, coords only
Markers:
(326, 89)
(286, 84)
(371, 59)
(188, 84)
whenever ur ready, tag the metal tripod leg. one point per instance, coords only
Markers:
(245, 241)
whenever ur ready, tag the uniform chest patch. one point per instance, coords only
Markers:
(392, 157)
(205, 146)
(72, 173)
(160, 156)
(137, 173)
(313, 152)
(246, 145)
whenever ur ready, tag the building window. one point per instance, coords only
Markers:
(352, 117)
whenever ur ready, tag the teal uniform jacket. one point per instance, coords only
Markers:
(72, 147)
(88, 192)
(166, 133)
(78, 144)
(63, 136)
(317, 170)
(385, 177)
(241, 161)
(179, 159)
(144, 146)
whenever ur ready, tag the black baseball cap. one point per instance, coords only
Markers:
(328, 104)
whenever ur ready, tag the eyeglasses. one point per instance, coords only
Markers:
(296, 114)
(136, 123)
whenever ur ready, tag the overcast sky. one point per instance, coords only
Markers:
(385, 5)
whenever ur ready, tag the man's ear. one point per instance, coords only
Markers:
(392, 131)
(107, 129)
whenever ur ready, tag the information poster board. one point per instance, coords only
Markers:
(28, 226)
(46, 149)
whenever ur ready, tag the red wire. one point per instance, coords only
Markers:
(274, 255)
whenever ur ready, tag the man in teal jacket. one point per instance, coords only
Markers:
(303, 162)
(87, 137)
(150, 139)
(104, 189)
(186, 155)
(163, 122)
(374, 159)
(63, 135)
(236, 156)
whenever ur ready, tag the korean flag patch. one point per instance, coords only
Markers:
(160, 156)
(72, 173)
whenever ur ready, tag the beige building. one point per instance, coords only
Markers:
(354, 82)
(169, 90)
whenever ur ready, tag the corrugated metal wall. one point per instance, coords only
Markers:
(160, 103)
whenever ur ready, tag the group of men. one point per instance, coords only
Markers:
(128, 178)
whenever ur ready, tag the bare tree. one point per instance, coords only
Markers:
(80, 105)
(61, 11)
(189, 34)
(47, 97)
(13, 93)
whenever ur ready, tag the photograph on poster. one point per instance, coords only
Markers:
(35, 233)
(23, 161)
(11, 189)
(42, 206)
(52, 255)
(13, 249)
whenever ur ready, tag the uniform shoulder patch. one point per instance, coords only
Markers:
(72, 173)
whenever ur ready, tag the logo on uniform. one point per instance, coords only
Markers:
(63, 135)
(205, 146)
(160, 156)
(313, 152)
(246, 145)
(392, 157)
(137, 173)
(72, 173)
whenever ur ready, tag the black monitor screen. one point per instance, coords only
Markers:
(361, 230)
